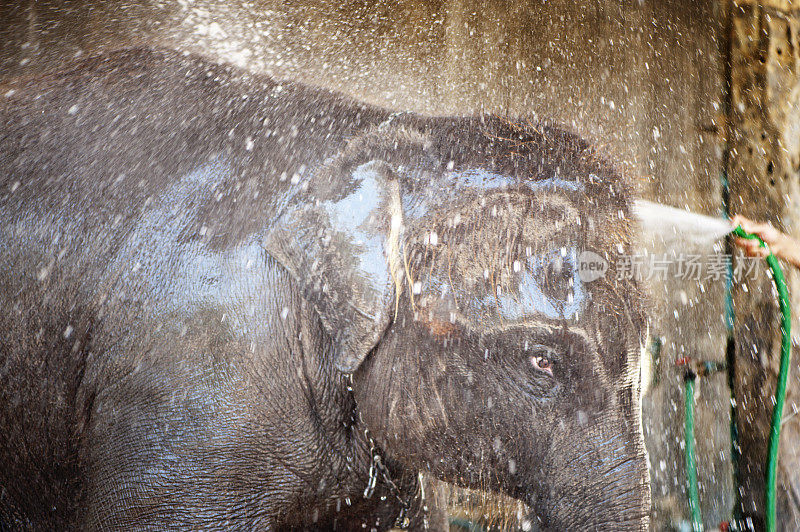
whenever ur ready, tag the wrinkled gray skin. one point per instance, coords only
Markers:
(194, 261)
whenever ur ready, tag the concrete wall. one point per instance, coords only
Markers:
(643, 79)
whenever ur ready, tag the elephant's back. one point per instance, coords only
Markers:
(144, 155)
(108, 135)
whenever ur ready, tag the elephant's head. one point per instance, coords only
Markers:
(444, 257)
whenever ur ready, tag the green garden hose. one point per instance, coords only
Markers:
(783, 377)
(777, 410)
(691, 469)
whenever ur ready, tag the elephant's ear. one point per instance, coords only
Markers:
(339, 239)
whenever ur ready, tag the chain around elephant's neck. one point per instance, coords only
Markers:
(378, 470)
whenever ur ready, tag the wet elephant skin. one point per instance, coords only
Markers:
(224, 295)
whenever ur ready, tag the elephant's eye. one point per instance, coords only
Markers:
(543, 364)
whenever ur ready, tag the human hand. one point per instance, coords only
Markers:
(764, 230)
(782, 245)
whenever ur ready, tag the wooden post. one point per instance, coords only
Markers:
(764, 169)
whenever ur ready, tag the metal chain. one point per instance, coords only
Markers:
(376, 468)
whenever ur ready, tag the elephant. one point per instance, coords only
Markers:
(236, 302)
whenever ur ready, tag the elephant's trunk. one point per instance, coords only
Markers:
(603, 488)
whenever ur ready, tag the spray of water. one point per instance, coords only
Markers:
(673, 224)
